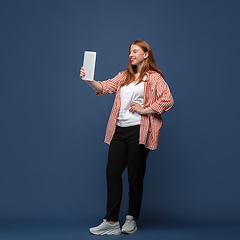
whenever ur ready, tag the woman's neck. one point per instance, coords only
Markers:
(139, 67)
(137, 74)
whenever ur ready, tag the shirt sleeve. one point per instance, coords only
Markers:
(164, 98)
(111, 85)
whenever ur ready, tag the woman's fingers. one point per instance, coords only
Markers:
(131, 110)
(82, 72)
(135, 107)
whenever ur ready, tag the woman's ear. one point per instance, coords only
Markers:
(146, 55)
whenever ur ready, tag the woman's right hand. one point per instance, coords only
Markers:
(93, 84)
(82, 73)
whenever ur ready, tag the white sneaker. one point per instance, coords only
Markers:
(130, 226)
(105, 228)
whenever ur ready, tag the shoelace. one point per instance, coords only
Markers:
(128, 221)
(102, 223)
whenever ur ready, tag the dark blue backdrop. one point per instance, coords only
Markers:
(52, 158)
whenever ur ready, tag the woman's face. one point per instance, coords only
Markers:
(137, 55)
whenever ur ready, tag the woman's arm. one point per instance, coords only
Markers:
(96, 86)
(164, 98)
(162, 104)
(135, 107)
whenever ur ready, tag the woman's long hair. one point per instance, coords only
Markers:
(149, 64)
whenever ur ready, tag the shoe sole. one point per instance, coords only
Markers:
(109, 232)
(130, 232)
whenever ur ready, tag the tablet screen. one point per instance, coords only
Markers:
(89, 65)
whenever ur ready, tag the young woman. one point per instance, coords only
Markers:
(142, 96)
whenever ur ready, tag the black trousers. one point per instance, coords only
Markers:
(125, 150)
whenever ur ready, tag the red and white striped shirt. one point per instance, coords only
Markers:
(156, 96)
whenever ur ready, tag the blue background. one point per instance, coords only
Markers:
(52, 126)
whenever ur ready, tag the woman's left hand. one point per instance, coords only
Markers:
(135, 107)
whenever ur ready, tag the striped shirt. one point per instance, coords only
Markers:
(156, 96)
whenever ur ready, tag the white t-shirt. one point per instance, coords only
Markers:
(129, 94)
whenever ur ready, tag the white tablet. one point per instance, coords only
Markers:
(89, 65)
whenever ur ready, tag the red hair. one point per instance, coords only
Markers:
(149, 64)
